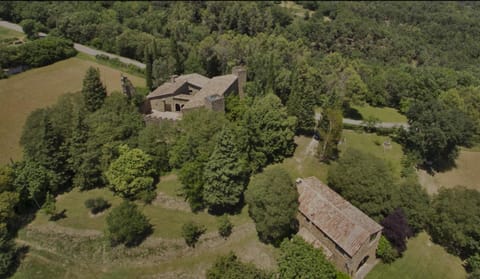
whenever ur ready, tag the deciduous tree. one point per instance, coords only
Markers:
(366, 181)
(273, 204)
(299, 259)
(131, 173)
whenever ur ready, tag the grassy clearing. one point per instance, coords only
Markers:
(304, 163)
(68, 249)
(20, 94)
(383, 114)
(423, 259)
(6, 33)
(167, 222)
(465, 173)
(373, 144)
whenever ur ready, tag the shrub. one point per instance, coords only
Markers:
(385, 251)
(126, 224)
(191, 232)
(96, 205)
(224, 226)
(230, 267)
(147, 196)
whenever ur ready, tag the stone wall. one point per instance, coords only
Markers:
(339, 257)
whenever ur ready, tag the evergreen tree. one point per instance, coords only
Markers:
(93, 90)
(330, 132)
(301, 107)
(148, 68)
(224, 173)
(268, 132)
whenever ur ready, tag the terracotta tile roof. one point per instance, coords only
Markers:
(342, 222)
(217, 85)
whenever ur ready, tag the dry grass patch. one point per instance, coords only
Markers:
(304, 163)
(37, 88)
(423, 259)
(465, 173)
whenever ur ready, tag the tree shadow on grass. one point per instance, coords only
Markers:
(140, 237)
(352, 113)
(20, 254)
(60, 215)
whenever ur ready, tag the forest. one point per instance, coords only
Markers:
(420, 58)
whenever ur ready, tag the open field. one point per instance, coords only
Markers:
(6, 33)
(383, 114)
(423, 259)
(465, 173)
(37, 88)
(74, 247)
(373, 144)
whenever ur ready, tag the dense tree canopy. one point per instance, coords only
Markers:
(436, 131)
(455, 220)
(268, 132)
(273, 204)
(364, 180)
(299, 259)
(225, 172)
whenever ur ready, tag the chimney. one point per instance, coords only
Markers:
(172, 78)
(241, 74)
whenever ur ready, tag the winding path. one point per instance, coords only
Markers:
(79, 47)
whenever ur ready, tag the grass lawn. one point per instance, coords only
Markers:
(423, 259)
(67, 249)
(465, 173)
(304, 163)
(20, 94)
(383, 114)
(6, 33)
(373, 144)
(167, 222)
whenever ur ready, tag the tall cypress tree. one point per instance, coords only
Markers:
(93, 90)
(224, 173)
(148, 68)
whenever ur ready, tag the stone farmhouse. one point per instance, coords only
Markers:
(192, 91)
(348, 237)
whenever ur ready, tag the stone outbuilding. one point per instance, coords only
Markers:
(348, 237)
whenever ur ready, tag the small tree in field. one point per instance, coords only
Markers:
(49, 206)
(191, 232)
(224, 226)
(127, 225)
